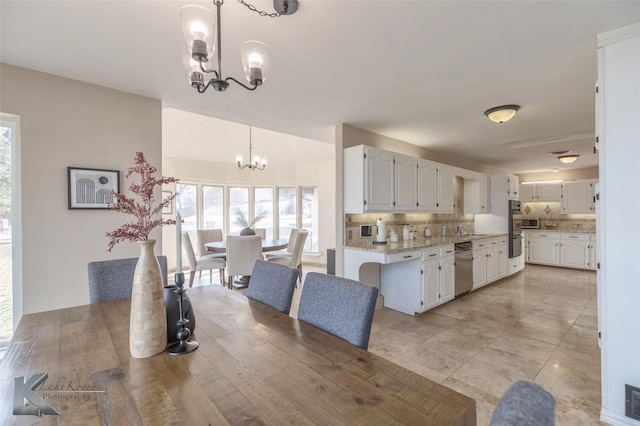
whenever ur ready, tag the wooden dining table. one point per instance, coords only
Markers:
(254, 365)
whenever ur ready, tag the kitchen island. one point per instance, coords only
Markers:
(412, 275)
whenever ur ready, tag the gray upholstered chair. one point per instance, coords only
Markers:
(206, 263)
(524, 404)
(113, 279)
(338, 306)
(242, 254)
(273, 285)
(295, 260)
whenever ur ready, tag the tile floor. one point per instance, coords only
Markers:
(538, 325)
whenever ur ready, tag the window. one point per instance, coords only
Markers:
(238, 199)
(310, 217)
(287, 207)
(263, 204)
(186, 205)
(213, 207)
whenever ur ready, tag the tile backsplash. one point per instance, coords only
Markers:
(550, 212)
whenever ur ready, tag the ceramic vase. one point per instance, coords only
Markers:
(247, 231)
(148, 320)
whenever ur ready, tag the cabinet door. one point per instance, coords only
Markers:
(378, 182)
(577, 197)
(493, 264)
(527, 192)
(574, 254)
(447, 279)
(445, 189)
(430, 291)
(479, 268)
(503, 256)
(513, 192)
(406, 183)
(548, 192)
(427, 186)
(544, 251)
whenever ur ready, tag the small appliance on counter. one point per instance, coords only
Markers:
(427, 232)
(381, 234)
(366, 231)
(530, 223)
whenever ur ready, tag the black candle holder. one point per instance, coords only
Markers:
(183, 346)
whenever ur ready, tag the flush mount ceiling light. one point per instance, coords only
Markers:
(568, 159)
(254, 162)
(200, 44)
(502, 113)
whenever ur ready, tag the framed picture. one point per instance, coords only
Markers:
(167, 209)
(91, 188)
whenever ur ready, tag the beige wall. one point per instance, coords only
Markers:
(69, 123)
(320, 174)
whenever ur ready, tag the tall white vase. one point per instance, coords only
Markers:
(148, 320)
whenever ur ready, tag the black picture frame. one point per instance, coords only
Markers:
(91, 188)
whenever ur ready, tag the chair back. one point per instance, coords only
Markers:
(207, 236)
(261, 232)
(273, 284)
(188, 248)
(339, 306)
(526, 404)
(113, 279)
(242, 253)
(298, 248)
(292, 239)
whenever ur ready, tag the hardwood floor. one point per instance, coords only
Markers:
(538, 325)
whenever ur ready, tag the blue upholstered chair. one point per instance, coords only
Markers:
(113, 279)
(338, 306)
(524, 404)
(273, 284)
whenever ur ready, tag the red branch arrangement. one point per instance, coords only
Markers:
(144, 211)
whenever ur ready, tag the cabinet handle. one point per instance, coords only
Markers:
(408, 256)
(433, 254)
(573, 236)
(449, 251)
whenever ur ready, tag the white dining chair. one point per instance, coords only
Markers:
(262, 232)
(242, 253)
(205, 263)
(209, 236)
(295, 260)
(288, 250)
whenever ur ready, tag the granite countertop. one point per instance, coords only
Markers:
(417, 244)
(564, 231)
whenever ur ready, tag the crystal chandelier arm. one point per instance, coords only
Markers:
(255, 86)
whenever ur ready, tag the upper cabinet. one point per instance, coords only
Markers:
(477, 194)
(377, 181)
(579, 197)
(513, 189)
(541, 192)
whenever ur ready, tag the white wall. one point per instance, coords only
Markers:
(69, 123)
(618, 227)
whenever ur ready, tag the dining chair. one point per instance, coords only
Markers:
(209, 236)
(204, 263)
(113, 279)
(287, 251)
(524, 404)
(242, 254)
(339, 306)
(295, 261)
(273, 284)
(261, 232)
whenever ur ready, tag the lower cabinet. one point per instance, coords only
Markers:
(574, 250)
(438, 277)
(489, 261)
(544, 248)
(570, 250)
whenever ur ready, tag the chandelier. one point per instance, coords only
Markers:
(254, 162)
(203, 38)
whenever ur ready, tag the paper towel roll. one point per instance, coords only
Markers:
(381, 234)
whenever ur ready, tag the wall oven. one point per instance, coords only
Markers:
(515, 229)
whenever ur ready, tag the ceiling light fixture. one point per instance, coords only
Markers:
(502, 113)
(254, 162)
(199, 28)
(568, 159)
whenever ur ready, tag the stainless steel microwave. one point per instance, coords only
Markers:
(530, 224)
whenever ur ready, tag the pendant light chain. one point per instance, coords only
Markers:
(263, 13)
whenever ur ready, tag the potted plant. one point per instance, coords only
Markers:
(148, 321)
(241, 220)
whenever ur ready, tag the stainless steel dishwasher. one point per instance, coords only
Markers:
(464, 268)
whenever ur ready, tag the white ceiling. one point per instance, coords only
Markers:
(419, 71)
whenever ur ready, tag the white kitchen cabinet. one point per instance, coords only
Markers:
(479, 267)
(544, 248)
(477, 195)
(503, 257)
(548, 191)
(493, 264)
(427, 186)
(445, 189)
(406, 183)
(527, 192)
(368, 180)
(578, 197)
(514, 187)
(574, 250)
(487, 261)
(593, 261)
(438, 277)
